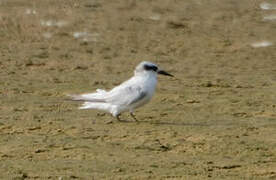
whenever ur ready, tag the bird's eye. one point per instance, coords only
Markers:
(150, 67)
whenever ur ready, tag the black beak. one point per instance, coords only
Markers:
(164, 73)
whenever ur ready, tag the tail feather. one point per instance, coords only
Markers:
(99, 106)
(93, 100)
(101, 91)
(90, 97)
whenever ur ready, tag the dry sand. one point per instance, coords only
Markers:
(215, 120)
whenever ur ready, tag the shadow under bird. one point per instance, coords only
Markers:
(131, 94)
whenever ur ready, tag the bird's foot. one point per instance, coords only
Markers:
(118, 118)
(133, 116)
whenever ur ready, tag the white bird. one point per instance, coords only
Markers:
(127, 96)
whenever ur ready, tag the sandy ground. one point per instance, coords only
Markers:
(215, 120)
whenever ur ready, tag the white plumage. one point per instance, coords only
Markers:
(128, 96)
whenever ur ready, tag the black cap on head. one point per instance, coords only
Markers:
(149, 67)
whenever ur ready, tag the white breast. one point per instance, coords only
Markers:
(148, 85)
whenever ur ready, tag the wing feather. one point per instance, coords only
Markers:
(125, 95)
(139, 97)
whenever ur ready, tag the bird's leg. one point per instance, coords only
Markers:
(133, 116)
(118, 117)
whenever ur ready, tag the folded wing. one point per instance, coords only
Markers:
(125, 95)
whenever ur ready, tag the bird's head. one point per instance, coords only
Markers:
(146, 67)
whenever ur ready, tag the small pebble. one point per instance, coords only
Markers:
(192, 101)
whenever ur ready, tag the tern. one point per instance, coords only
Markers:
(131, 94)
